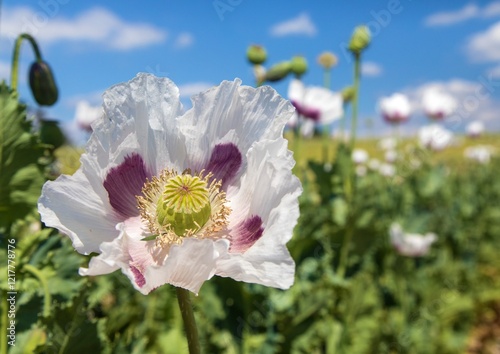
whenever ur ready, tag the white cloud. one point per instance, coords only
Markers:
(485, 46)
(184, 40)
(192, 88)
(300, 25)
(96, 25)
(494, 72)
(93, 98)
(370, 68)
(475, 101)
(468, 12)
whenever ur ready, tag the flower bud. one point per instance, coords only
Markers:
(360, 39)
(42, 83)
(327, 60)
(256, 54)
(278, 71)
(51, 134)
(348, 93)
(299, 65)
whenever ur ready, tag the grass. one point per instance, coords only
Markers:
(312, 149)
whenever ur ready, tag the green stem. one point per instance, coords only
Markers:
(43, 281)
(183, 297)
(15, 57)
(344, 251)
(4, 306)
(326, 140)
(327, 74)
(357, 65)
(350, 185)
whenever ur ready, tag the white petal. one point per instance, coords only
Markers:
(71, 205)
(189, 265)
(140, 117)
(236, 114)
(269, 190)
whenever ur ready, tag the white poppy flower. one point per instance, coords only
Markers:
(387, 170)
(361, 170)
(85, 115)
(395, 109)
(360, 156)
(435, 137)
(479, 153)
(374, 164)
(387, 144)
(178, 198)
(307, 129)
(410, 245)
(318, 104)
(391, 156)
(438, 105)
(474, 129)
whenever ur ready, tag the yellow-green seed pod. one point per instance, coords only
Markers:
(256, 54)
(42, 83)
(278, 71)
(299, 65)
(327, 60)
(360, 39)
(184, 204)
(348, 93)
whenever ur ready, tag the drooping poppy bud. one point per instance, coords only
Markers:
(256, 54)
(278, 71)
(42, 83)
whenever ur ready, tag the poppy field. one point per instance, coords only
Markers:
(246, 224)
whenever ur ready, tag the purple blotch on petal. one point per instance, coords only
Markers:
(139, 278)
(124, 182)
(246, 233)
(306, 112)
(224, 163)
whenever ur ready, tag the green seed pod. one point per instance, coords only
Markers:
(348, 93)
(327, 60)
(42, 83)
(278, 71)
(299, 65)
(360, 39)
(256, 54)
(51, 134)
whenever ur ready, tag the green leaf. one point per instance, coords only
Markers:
(21, 176)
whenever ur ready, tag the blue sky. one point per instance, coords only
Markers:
(91, 45)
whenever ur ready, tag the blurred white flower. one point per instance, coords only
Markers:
(474, 129)
(361, 170)
(387, 144)
(410, 245)
(339, 135)
(438, 105)
(374, 164)
(307, 128)
(359, 156)
(434, 137)
(479, 153)
(387, 170)
(85, 114)
(318, 104)
(395, 109)
(391, 156)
